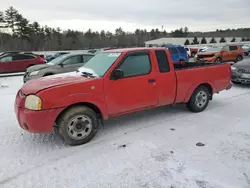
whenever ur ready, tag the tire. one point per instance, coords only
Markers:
(200, 96)
(78, 125)
(192, 54)
(218, 60)
(239, 58)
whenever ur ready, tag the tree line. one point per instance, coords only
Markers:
(18, 33)
(213, 41)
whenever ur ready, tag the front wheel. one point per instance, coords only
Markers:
(218, 60)
(78, 125)
(199, 99)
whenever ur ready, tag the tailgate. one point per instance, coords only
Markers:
(217, 76)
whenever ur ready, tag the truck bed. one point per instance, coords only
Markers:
(191, 65)
(190, 75)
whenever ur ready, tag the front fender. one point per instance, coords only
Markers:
(83, 98)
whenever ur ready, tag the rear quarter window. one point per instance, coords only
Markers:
(231, 48)
(162, 60)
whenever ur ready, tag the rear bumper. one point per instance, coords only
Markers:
(229, 86)
(37, 121)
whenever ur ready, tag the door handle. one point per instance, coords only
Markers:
(151, 80)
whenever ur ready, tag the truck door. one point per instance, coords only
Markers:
(136, 89)
(166, 79)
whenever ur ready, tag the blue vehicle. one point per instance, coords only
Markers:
(178, 53)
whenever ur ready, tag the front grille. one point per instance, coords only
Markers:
(242, 70)
(205, 56)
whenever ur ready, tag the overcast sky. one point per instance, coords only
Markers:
(131, 14)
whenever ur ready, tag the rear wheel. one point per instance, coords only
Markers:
(239, 58)
(78, 125)
(193, 54)
(199, 99)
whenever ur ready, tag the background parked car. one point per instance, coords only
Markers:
(18, 62)
(228, 53)
(62, 64)
(241, 72)
(191, 51)
(178, 53)
(246, 49)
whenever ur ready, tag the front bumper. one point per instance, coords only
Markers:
(240, 79)
(37, 121)
(205, 60)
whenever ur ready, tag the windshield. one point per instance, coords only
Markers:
(58, 59)
(100, 63)
(213, 49)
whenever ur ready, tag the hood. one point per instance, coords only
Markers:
(38, 67)
(245, 63)
(206, 53)
(35, 85)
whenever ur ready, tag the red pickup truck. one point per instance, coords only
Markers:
(113, 83)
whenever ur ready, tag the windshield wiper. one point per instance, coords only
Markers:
(88, 74)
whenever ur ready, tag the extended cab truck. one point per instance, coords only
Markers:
(228, 53)
(113, 83)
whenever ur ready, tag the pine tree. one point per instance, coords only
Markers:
(187, 42)
(222, 40)
(195, 41)
(233, 40)
(11, 15)
(203, 40)
(243, 39)
(213, 41)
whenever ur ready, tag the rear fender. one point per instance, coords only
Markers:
(193, 87)
(83, 98)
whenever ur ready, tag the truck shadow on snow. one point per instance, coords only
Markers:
(124, 125)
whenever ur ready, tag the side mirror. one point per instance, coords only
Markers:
(117, 74)
(60, 64)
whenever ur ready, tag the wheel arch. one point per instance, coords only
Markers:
(90, 105)
(207, 85)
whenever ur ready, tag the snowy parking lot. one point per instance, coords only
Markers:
(168, 147)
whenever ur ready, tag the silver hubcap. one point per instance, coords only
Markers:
(218, 61)
(79, 127)
(201, 99)
(239, 58)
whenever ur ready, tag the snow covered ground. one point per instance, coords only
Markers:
(151, 149)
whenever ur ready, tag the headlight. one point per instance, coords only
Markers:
(34, 73)
(233, 68)
(33, 102)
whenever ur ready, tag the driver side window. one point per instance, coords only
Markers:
(73, 60)
(6, 59)
(136, 65)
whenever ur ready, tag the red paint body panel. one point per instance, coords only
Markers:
(116, 97)
(35, 121)
(218, 77)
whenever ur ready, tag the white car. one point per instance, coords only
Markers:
(188, 51)
(246, 49)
